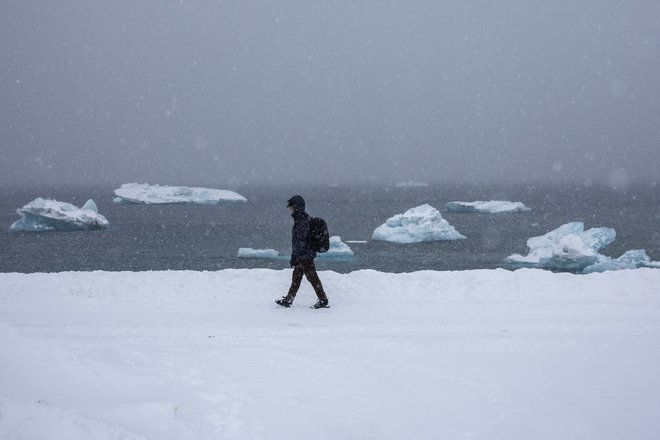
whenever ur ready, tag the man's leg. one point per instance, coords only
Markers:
(310, 273)
(296, 279)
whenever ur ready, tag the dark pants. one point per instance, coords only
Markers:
(307, 268)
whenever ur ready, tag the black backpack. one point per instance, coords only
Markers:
(319, 239)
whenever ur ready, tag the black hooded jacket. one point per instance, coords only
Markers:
(300, 247)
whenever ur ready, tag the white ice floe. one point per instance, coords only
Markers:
(571, 248)
(156, 194)
(338, 249)
(632, 259)
(412, 184)
(422, 223)
(489, 207)
(257, 253)
(51, 215)
(182, 355)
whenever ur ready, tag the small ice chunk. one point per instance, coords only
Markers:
(422, 223)
(257, 253)
(489, 207)
(337, 249)
(629, 260)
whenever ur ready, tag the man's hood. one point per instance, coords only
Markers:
(298, 203)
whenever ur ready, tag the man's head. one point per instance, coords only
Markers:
(296, 203)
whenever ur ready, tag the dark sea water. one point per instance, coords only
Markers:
(201, 237)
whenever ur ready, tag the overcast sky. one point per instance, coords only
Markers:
(221, 92)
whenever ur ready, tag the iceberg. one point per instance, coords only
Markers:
(422, 223)
(412, 184)
(257, 253)
(338, 249)
(156, 194)
(571, 248)
(490, 207)
(51, 215)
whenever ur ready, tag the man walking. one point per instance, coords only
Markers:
(302, 256)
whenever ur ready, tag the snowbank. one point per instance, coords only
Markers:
(51, 215)
(422, 223)
(490, 207)
(155, 194)
(494, 355)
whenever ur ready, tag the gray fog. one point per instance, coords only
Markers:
(228, 92)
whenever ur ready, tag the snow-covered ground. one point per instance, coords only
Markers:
(487, 354)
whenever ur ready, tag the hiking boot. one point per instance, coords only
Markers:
(284, 302)
(321, 304)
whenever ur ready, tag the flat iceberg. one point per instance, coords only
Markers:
(422, 223)
(337, 250)
(412, 184)
(156, 194)
(489, 207)
(257, 253)
(571, 248)
(51, 215)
